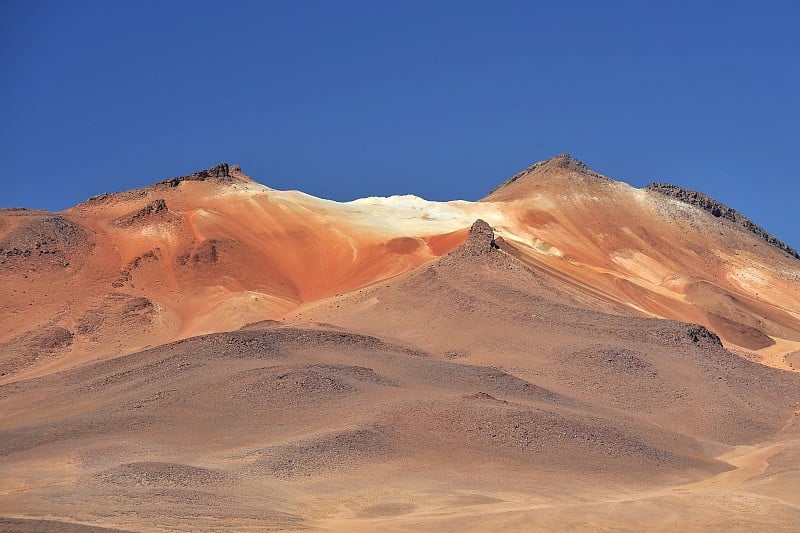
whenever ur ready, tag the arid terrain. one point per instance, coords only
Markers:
(568, 353)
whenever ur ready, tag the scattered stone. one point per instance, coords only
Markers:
(483, 396)
(32, 347)
(161, 474)
(42, 235)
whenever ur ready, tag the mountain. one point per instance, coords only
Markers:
(568, 352)
(215, 250)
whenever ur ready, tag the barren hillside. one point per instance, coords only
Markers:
(567, 353)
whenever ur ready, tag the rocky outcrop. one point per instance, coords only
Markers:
(221, 171)
(156, 206)
(684, 334)
(480, 240)
(702, 336)
(719, 210)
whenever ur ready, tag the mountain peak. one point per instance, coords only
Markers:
(565, 161)
(559, 167)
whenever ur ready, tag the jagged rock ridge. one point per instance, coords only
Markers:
(720, 210)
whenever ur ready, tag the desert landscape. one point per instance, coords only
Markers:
(567, 353)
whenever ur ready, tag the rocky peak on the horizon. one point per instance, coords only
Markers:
(719, 210)
(563, 163)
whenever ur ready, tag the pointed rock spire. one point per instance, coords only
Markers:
(480, 240)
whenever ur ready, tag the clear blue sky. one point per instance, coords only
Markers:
(445, 100)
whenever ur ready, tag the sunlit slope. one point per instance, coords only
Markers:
(209, 252)
(654, 253)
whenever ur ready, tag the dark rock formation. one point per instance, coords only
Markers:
(154, 207)
(480, 240)
(221, 171)
(702, 335)
(683, 334)
(719, 210)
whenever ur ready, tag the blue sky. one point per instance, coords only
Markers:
(440, 99)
